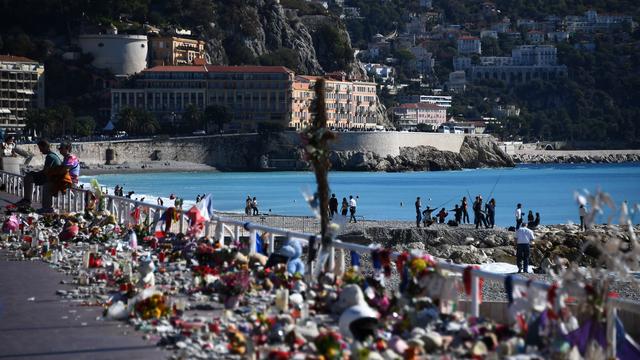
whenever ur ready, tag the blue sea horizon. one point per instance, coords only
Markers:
(548, 189)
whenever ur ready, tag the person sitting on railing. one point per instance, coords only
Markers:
(70, 161)
(41, 178)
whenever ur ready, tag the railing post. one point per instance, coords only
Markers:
(252, 242)
(339, 269)
(272, 243)
(180, 222)
(611, 330)
(475, 301)
(219, 236)
(236, 235)
(332, 259)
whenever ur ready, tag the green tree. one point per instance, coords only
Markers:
(217, 115)
(127, 120)
(193, 118)
(84, 125)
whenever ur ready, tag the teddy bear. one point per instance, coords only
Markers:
(293, 250)
(147, 278)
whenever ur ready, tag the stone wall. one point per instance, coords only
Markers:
(243, 151)
(389, 143)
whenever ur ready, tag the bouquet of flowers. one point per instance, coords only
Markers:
(153, 307)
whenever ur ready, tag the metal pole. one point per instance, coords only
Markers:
(611, 330)
(252, 241)
(475, 301)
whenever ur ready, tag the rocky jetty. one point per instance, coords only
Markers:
(575, 158)
(475, 152)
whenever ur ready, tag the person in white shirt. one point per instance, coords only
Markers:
(352, 209)
(518, 216)
(583, 215)
(524, 236)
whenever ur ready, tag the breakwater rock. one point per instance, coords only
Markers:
(576, 158)
(475, 152)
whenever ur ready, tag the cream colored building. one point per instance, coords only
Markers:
(21, 88)
(348, 104)
(171, 50)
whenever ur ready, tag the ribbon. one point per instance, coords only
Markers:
(135, 214)
(466, 278)
(385, 260)
(355, 259)
(401, 260)
(508, 287)
(375, 259)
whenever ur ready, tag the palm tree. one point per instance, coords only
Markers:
(127, 120)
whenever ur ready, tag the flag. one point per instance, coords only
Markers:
(201, 212)
(159, 221)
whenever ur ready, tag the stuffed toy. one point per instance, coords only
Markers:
(293, 250)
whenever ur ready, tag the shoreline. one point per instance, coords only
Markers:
(146, 167)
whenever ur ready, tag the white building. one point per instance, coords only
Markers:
(409, 116)
(121, 54)
(492, 34)
(527, 62)
(592, 21)
(558, 36)
(535, 37)
(423, 61)
(21, 88)
(469, 45)
(461, 63)
(383, 72)
(440, 100)
(457, 81)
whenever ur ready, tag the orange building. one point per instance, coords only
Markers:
(348, 104)
(171, 50)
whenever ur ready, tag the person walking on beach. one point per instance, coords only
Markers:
(524, 236)
(491, 212)
(247, 206)
(530, 219)
(583, 216)
(352, 209)
(518, 216)
(254, 207)
(160, 202)
(344, 208)
(41, 177)
(333, 205)
(465, 211)
(418, 211)
(457, 213)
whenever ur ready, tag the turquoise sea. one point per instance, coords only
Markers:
(547, 189)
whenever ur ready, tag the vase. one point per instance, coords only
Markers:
(231, 301)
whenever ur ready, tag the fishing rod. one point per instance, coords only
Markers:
(445, 203)
(493, 188)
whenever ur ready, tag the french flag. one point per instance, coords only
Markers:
(160, 221)
(201, 212)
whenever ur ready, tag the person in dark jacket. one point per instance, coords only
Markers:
(333, 205)
(457, 211)
(490, 209)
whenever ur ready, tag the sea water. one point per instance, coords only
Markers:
(547, 189)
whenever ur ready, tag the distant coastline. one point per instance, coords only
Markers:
(575, 156)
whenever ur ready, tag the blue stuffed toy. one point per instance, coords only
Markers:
(293, 250)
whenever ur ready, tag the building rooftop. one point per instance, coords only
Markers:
(13, 58)
(423, 105)
(221, 69)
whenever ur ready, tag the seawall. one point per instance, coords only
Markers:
(245, 151)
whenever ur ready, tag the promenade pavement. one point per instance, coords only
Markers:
(35, 323)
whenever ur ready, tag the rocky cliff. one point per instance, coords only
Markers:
(475, 152)
(265, 32)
